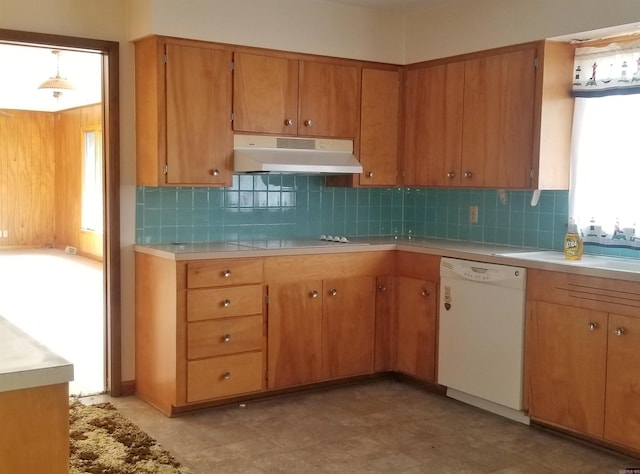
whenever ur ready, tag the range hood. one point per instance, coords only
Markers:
(262, 154)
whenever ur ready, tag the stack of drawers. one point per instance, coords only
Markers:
(225, 328)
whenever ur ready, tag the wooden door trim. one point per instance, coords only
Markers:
(111, 124)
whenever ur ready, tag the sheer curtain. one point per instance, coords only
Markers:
(604, 198)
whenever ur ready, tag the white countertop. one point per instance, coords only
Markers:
(25, 363)
(599, 266)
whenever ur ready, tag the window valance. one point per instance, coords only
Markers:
(610, 70)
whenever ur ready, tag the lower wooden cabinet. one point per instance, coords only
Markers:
(322, 327)
(567, 367)
(416, 328)
(319, 330)
(582, 359)
(200, 330)
(295, 333)
(416, 288)
(224, 376)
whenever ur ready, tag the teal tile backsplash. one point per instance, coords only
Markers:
(273, 206)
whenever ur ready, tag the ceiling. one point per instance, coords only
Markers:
(24, 68)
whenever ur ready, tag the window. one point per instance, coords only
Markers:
(92, 205)
(605, 160)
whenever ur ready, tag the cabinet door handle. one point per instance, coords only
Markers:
(226, 375)
(426, 292)
(215, 172)
(314, 294)
(619, 331)
(226, 303)
(382, 288)
(451, 175)
(308, 123)
(226, 273)
(226, 337)
(288, 122)
(468, 174)
(369, 174)
(333, 292)
(593, 326)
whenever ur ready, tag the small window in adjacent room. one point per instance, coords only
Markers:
(92, 181)
(605, 160)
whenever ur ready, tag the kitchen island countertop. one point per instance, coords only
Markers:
(25, 363)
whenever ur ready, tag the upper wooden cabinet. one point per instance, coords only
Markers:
(379, 127)
(496, 119)
(433, 125)
(265, 94)
(278, 95)
(183, 113)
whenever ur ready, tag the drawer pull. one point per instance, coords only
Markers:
(426, 292)
(226, 375)
(226, 303)
(593, 326)
(226, 273)
(313, 294)
(333, 292)
(226, 337)
(619, 331)
(382, 288)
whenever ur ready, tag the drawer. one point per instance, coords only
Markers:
(224, 376)
(212, 303)
(224, 272)
(224, 336)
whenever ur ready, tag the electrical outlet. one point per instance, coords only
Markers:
(473, 214)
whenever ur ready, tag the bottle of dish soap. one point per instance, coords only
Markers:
(572, 242)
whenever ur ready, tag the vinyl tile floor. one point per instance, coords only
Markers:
(379, 426)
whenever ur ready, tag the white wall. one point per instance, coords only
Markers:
(474, 25)
(310, 26)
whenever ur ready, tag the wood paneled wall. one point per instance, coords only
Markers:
(69, 126)
(41, 179)
(27, 178)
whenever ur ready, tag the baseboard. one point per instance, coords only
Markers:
(128, 388)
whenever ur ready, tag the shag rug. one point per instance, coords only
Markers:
(102, 441)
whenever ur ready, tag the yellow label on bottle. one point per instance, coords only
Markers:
(572, 247)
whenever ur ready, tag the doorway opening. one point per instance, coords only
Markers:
(84, 249)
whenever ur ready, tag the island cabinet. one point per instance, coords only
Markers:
(288, 96)
(322, 316)
(183, 112)
(495, 119)
(416, 318)
(581, 359)
(200, 330)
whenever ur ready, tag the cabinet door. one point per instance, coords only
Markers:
(329, 100)
(622, 416)
(416, 332)
(379, 112)
(433, 125)
(498, 120)
(385, 324)
(199, 135)
(567, 363)
(349, 326)
(295, 333)
(265, 94)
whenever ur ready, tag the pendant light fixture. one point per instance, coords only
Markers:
(57, 84)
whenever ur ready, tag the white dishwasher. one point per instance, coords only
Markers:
(481, 335)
